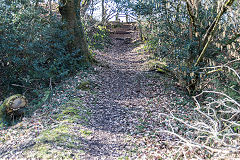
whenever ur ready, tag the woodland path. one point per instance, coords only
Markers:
(130, 99)
(124, 120)
(124, 98)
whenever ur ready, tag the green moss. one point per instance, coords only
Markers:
(59, 133)
(62, 141)
(58, 143)
(48, 151)
(69, 113)
(86, 132)
(156, 65)
(73, 111)
(2, 139)
(9, 99)
(3, 107)
(4, 119)
(44, 152)
(86, 85)
(61, 136)
(124, 158)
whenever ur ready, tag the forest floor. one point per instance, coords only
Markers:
(112, 112)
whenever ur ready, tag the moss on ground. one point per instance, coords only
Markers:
(86, 85)
(48, 151)
(73, 111)
(56, 135)
(63, 141)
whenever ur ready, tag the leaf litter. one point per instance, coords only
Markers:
(118, 118)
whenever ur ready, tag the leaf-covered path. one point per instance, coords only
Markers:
(115, 115)
(129, 100)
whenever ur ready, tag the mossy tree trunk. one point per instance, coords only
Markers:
(70, 11)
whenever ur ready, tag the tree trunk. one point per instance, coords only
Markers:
(140, 28)
(70, 11)
(103, 12)
(50, 7)
(117, 16)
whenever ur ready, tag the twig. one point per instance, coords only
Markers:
(17, 85)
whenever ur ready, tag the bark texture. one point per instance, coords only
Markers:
(70, 11)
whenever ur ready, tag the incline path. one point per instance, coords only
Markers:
(124, 120)
(127, 96)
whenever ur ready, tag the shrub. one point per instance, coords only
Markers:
(174, 34)
(97, 35)
(33, 47)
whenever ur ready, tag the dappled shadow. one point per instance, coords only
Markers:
(126, 104)
(126, 97)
